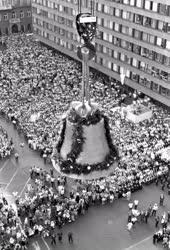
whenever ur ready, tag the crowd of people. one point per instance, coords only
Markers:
(12, 235)
(6, 144)
(37, 86)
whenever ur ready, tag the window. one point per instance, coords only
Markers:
(115, 54)
(99, 21)
(28, 13)
(116, 41)
(155, 87)
(117, 12)
(138, 19)
(106, 9)
(108, 24)
(147, 5)
(148, 69)
(132, 2)
(147, 21)
(145, 37)
(99, 7)
(163, 91)
(136, 49)
(158, 41)
(134, 77)
(154, 24)
(13, 15)
(115, 67)
(158, 57)
(110, 38)
(154, 6)
(142, 66)
(125, 30)
(6, 17)
(21, 14)
(122, 57)
(141, 80)
(164, 75)
(139, 3)
(125, 14)
(147, 83)
(128, 73)
(152, 39)
(166, 60)
(116, 27)
(135, 63)
(168, 93)
(163, 9)
(137, 34)
(126, 1)
(160, 25)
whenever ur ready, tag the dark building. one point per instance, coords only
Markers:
(133, 37)
(15, 16)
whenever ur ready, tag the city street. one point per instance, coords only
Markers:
(102, 227)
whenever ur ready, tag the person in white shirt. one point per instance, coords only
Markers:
(136, 204)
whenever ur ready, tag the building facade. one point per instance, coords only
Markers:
(133, 37)
(15, 16)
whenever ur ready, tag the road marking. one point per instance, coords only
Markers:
(24, 186)
(138, 243)
(45, 243)
(4, 165)
(11, 179)
(36, 245)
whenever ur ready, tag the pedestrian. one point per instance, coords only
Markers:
(16, 157)
(146, 215)
(53, 239)
(161, 200)
(136, 204)
(168, 215)
(154, 209)
(60, 237)
(70, 237)
(51, 172)
(129, 226)
(157, 219)
(149, 210)
(154, 238)
(163, 186)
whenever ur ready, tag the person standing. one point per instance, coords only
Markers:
(70, 237)
(136, 204)
(161, 200)
(60, 237)
(157, 221)
(53, 239)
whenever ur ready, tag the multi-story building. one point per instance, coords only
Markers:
(133, 36)
(15, 16)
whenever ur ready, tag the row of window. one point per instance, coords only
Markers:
(144, 4)
(139, 35)
(135, 18)
(157, 73)
(23, 28)
(147, 5)
(14, 15)
(134, 77)
(144, 52)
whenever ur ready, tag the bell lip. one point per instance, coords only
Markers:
(91, 176)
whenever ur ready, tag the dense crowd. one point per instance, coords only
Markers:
(6, 144)
(37, 86)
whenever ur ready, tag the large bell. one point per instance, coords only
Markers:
(95, 149)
